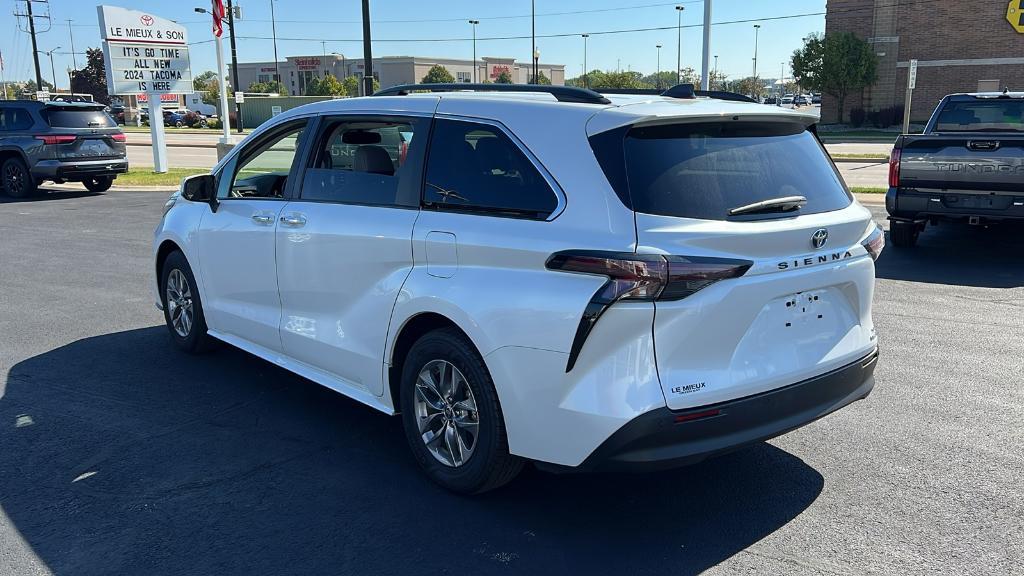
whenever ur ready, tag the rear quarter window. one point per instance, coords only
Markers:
(70, 118)
(703, 170)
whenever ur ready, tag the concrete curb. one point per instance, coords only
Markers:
(872, 199)
(172, 145)
(75, 187)
(875, 160)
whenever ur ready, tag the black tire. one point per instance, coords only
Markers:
(489, 465)
(99, 183)
(17, 181)
(178, 124)
(195, 340)
(903, 234)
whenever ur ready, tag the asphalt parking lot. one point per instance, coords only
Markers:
(120, 455)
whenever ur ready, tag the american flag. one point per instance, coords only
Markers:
(218, 17)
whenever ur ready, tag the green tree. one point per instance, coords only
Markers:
(27, 90)
(504, 78)
(351, 85)
(663, 80)
(326, 86)
(751, 86)
(438, 75)
(541, 79)
(271, 87)
(93, 78)
(836, 64)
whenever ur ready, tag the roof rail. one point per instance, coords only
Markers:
(723, 95)
(561, 93)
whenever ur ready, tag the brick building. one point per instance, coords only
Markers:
(960, 46)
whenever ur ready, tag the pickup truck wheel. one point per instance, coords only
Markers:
(98, 184)
(452, 417)
(903, 234)
(16, 179)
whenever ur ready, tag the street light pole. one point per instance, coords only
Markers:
(53, 72)
(533, 38)
(474, 23)
(679, 44)
(658, 75)
(585, 83)
(273, 31)
(71, 35)
(705, 59)
(757, 29)
(715, 75)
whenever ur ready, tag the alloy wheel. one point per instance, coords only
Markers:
(179, 303)
(446, 413)
(14, 179)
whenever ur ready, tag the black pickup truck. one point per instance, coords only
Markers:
(967, 166)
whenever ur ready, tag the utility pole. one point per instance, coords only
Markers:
(273, 31)
(35, 48)
(715, 76)
(3, 79)
(585, 83)
(679, 44)
(474, 23)
(367, 52)
(234, 64)
(705, 80)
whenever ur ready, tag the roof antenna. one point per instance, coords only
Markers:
(1006, 91)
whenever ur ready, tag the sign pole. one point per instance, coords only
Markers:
(222, 73)
(911, 83)
(156, 130)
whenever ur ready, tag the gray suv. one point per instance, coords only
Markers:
(59, 142)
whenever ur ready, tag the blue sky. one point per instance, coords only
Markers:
(301, 25)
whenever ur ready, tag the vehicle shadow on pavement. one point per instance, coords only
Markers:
(959, 254)
(121, 455)
(47, 194)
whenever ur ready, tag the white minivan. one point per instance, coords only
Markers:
(536, 273)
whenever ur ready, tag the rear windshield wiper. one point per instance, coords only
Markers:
(784, 204)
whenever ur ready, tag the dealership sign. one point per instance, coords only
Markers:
(144, 53)
(1015, 15)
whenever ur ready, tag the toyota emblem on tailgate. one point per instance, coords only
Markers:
(819, 237)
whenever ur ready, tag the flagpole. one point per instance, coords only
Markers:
(217, 11)
(3, 80)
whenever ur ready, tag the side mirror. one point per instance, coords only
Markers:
(199, 188)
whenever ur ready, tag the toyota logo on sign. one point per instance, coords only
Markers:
(146, 20)
(819, 237)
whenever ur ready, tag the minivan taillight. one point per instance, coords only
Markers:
(875, 243)
(646, 277)
(894, 168)
(119, 137)
(57, 138)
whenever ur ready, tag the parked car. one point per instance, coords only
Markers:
(816, 99)
(116, 112)
(800, 101)
(496, 281)
(967, 166)
(787, 100)
(770, 100)
(58, 142)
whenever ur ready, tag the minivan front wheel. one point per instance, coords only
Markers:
(452, 418)
(183, 309)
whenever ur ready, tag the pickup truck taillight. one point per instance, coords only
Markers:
(894, 168)
(57, 138)
(646, 277)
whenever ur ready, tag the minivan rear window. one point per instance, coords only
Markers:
(703, 170)
(80, 118)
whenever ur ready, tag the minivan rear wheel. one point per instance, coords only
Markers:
(16, 179)
(451, 414)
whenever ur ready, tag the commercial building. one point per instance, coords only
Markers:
(961, 46)
(296, 72)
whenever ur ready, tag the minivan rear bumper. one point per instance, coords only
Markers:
(664, 438)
